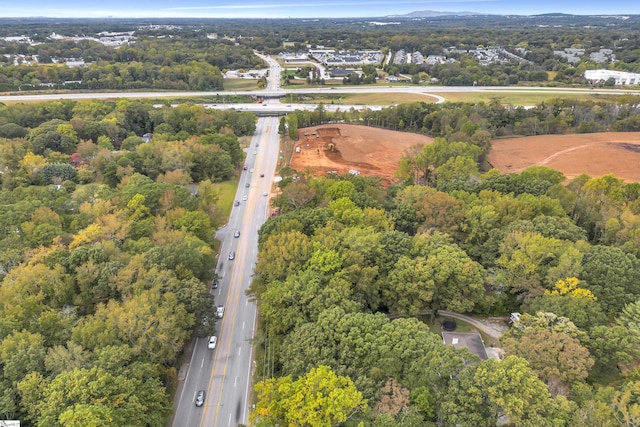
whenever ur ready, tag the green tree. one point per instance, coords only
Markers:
(52, 141)
(525, 260)
(292, 123)
(346, 212)
(123, 400)
(613, 346)
(458, 280)
(504, 390)
(155, 325)
(612, 276)
(283, 254)
(340, 189)
(410, 287)
(21, 353)
(630, 317)
(460, 169)
(55, 173)
(136, 118)
(584, 312)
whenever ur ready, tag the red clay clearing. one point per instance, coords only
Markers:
(594, 154)
(340, 148)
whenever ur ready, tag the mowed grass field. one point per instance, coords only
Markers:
(369, 98)
(506, 98)
(226, 196)
(522, 99)
(240, 84)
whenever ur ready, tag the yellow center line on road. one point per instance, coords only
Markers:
(226, 362)
(228, 338)
(235, 285)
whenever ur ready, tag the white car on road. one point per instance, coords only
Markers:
(213, 340)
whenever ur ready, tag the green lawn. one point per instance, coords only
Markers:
(521, 98)
(226, 193)
(240, 84)
(368, 98)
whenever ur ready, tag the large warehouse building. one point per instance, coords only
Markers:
(620, 77)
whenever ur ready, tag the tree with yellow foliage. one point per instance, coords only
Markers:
(318, 399)
(569, 286)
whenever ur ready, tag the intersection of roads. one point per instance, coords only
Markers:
(225, 373)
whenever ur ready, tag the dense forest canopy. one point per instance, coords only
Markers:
(350, 272)
(107, 251)
(482, 121)
(106, 247)
(345, 274)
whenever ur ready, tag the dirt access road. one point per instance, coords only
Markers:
(594, 154)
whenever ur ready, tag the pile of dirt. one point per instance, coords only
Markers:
(362, 150)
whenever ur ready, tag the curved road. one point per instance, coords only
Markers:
(432, 91)
(226, 371)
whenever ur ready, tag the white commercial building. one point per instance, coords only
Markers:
(620, 77)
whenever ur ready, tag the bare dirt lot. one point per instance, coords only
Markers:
(340, 148)
(594, 154)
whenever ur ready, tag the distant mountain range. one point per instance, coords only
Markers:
(433, 14)
(437, 14)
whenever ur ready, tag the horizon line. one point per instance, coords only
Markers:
(407, 15)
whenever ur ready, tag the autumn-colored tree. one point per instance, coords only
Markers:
(570, 288)
(557, 358)
(393, 399)
(626, 404)
(318, 399)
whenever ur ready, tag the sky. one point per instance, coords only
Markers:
(301, 8)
